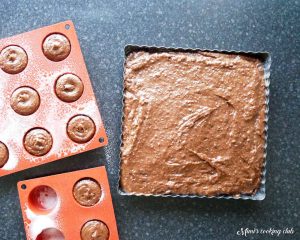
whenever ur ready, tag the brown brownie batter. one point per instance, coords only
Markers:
(13, 59)
(94, 230)
(81, 129)
(25, 101)
(193, 124)
(38, 142)
(87, 192)
(56, 47)
(4, 154)
(69, 87)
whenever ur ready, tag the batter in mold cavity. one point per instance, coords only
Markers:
(69, 87)
(94, 230)
(25, 101)
(87, 192)
(13, 59)
(81, 129)
(56, 47)
(38, 142)
(4, 154)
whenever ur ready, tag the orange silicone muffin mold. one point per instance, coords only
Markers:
(51, 211)
(39, 105)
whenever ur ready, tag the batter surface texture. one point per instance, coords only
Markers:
(95, 230)
(87, 192)
(193, 124)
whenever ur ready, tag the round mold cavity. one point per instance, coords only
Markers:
(87, 192)
(13, 59)
(56, 47)
(81, 128)
(42, 199)
(50, 234)
(68, 87)
(38, 142)
(4, 154)
(25, 101)
(94, 229)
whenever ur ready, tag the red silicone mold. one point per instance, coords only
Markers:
(52, 114)
(50, 210)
